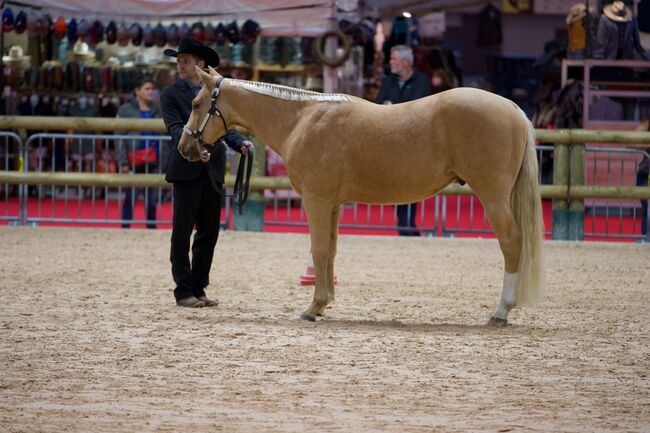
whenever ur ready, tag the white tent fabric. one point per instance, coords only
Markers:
(274, 16)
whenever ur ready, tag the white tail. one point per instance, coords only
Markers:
(527, 205)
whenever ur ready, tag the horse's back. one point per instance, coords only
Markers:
(404, 152)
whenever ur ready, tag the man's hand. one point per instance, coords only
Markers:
(245, 145)
(204, 155)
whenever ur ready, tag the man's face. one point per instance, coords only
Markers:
(396, 64)
(145, 92)
(186, 66)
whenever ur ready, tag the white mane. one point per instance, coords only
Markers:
(288, 93)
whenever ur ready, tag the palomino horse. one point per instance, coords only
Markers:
(342, 149)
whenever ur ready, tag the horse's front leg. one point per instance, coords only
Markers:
(319, 215)
(334, 234)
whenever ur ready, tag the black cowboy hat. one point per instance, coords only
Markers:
(123, 35)
(250, 30)
(159, 36)
(147, 35)
(192, 46)
(72, 31)
(172, 35)
(20, 23)
(220, 34)
(233, 32)
(111, 33)
(135, 32)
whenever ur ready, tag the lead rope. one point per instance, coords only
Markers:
(242, 181)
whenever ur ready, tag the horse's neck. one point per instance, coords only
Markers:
(267, 118)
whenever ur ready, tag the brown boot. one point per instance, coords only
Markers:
(190, 302)
(208, 302)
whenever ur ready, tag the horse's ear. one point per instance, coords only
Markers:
(207, 79)
(212, 71)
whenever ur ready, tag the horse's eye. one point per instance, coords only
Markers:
(195, 106)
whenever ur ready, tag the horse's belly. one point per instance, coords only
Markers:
(396, 190)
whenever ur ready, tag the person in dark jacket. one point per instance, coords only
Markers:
(402, 85)
(140, 155)
(618, 34)
(196, 201)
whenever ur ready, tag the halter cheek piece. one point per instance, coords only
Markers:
(242, 179)
(197, 134)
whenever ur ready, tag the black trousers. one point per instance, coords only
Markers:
(406, 219)
(195, 203)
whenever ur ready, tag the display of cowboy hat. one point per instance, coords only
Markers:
(233, 32)
(220, 34)
(96, 32)
(20, 24)
(72, 31)
(45, 26)
(15, 55)
(7, 20)
(618, 12)
(183, 31)
(250, 30)
(208, 34)
(111, 33)
(81, 51)
(191, 46)
(172, 35)
(83, 28)
(159, 35)
(577, 12)
(60, 28)
(122, 35)
(197, 32)
(147, 35)
(135, 32)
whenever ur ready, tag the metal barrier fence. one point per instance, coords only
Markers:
(286, 210)
(11, 195)
(442, 215)
(619, 217)
(96, 205)
(465, 214)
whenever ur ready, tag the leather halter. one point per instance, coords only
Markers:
(197, 134)
(242, 179)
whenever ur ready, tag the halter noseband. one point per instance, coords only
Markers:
(197, 134)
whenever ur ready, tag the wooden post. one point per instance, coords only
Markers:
(252, 218)
(561, 206)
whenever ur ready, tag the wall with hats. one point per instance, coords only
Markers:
(65, 56)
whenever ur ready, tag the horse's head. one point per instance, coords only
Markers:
(206, 124)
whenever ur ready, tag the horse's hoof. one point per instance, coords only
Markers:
(307, 317)
(495, 321)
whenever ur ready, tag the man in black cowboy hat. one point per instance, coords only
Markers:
(196, 201)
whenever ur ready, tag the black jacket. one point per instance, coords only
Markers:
(176, 106)
(417, 86)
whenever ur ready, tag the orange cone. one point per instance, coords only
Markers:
(309, 277)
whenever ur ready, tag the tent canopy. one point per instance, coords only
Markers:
(286, 16)
(300, 17)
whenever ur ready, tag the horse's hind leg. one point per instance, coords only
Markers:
(508, 233)
(319, 214)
